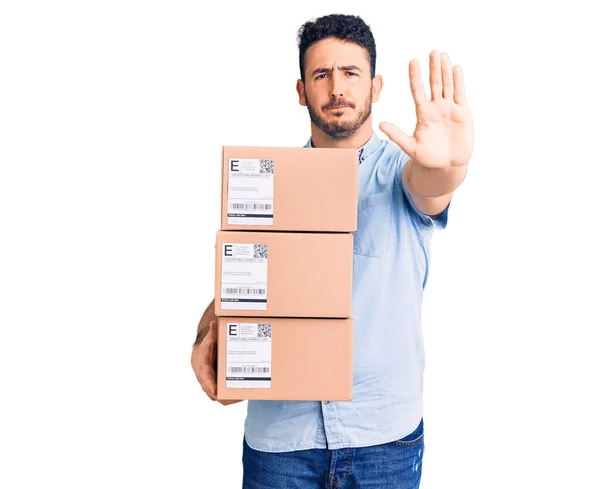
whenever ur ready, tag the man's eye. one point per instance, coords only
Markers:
(321, 76)
(351, 73)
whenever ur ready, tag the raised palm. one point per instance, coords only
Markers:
(443, 136)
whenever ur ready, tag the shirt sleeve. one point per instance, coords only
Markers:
(438, 221)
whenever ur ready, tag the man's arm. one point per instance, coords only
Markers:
(431, 189)
(442, 143)
(204, 324)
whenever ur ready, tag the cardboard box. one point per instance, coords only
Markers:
(283, 274)
(289, 189)
(285, 359)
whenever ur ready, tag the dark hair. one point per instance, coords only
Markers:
(350, 28)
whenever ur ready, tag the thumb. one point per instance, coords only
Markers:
(407, 143)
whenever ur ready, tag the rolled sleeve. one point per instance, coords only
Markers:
(438, 221)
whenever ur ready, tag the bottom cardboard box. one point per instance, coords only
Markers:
(285, 359)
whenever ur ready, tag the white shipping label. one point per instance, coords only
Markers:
(248, 355)
(244, 276)
(250, 191)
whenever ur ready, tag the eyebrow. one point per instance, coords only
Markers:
(343, 68)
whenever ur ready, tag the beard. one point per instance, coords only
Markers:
(338, 129)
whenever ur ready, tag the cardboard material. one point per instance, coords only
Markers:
(307, 274)
(297, 189)
(310, 359)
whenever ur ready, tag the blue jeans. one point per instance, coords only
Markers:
(396, 465)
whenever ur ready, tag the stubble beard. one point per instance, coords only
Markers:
(340, 129)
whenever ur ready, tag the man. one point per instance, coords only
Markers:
(405, 189)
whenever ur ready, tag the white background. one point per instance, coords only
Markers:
(112, 118)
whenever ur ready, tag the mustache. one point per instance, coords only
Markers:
(338, 102)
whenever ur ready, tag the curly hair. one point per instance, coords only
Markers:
(350, 28)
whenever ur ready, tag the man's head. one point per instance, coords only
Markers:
(337, 73)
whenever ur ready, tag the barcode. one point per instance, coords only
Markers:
(264, 330)
(261, 251)
(251, 206)
(243, 291)
(248, 369)
(266, 166)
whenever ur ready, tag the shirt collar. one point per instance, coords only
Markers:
(364, 151)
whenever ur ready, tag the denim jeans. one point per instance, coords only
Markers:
(396, 465)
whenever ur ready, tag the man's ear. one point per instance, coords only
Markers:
(376, 87)
(300, 90)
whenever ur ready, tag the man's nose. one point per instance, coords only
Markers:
(337, 85)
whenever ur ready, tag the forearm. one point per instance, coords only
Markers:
(204, 324)
(432, 182)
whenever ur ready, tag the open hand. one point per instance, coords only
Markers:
(443, 137)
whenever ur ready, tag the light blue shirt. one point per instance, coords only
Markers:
(390, 266)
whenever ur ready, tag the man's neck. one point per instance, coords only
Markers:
(359, 138)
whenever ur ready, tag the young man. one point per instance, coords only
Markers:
(376, 440)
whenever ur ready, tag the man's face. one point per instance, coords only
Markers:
(338, 90)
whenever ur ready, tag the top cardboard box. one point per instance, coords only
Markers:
(289, 189)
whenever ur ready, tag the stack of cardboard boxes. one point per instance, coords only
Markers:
(283, 288)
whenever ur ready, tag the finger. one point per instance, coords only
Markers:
(208, 392)
(435, 75)
(207, 373)
(204, 387)
(416, 83)
(447, 82)
(230, 401)
(208, 389)
(407, 143)
(202, 372)
(459, 86)
(211, 390)
(209, 380)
